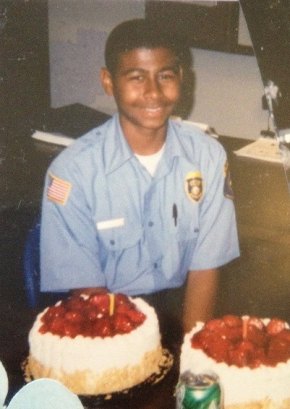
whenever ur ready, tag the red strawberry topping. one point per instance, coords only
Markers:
(244, 342)
(92, 316)
(275, 326)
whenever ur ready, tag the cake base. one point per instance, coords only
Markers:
(88, 383)
(110, 383)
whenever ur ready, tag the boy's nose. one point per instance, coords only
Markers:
(152, 88)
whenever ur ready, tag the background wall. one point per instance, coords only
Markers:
(228, 87)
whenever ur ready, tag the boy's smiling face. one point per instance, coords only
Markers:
(146, 87)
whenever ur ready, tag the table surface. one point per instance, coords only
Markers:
(257, 283)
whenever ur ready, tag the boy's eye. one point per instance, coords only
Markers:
(167, 75)
(136, 78)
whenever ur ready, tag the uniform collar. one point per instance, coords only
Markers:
(117, 151)
(174, 144)
(174, 148)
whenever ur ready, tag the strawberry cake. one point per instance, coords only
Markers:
(251, 357)
(97, 344)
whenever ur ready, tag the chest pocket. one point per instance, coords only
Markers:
(180, 244)
(184, 222)
(118, 234)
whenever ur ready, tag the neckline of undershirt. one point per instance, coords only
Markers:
(150, 162)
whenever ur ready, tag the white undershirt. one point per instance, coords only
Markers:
(150, 162)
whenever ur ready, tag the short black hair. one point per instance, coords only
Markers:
(141, 33)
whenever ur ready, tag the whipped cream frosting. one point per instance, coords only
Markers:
(96, 354)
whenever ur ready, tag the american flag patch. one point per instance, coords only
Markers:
(58, 190)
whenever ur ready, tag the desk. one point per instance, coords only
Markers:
(261, 274)
(257, 283)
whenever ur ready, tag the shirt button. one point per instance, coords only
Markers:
(112, 242)
(150, 224)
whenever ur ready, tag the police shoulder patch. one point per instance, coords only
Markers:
(58, 189)
(194, 186)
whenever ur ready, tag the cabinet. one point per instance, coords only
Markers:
(211, 25)
(24, 62)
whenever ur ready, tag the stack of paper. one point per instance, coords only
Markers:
(53, 137)
(266, 149)
(61, 126)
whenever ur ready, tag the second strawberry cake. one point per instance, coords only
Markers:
(251, 357)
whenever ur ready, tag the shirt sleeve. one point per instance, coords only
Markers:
(68, 246)
(217, 242)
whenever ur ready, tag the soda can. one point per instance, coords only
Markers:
(201, 391)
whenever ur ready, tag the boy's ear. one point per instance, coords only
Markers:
(106, 81)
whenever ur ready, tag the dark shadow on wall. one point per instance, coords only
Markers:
(187, 100)
(181, 42)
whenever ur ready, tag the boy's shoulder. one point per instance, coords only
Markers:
(84, 146)
(191, 127)
(196, 132)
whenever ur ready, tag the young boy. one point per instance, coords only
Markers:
(139, 204)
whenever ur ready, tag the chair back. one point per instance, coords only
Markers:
(31, 265)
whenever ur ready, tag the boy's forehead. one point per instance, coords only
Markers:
(143, 56)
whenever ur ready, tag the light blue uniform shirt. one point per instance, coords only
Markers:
(107, 222)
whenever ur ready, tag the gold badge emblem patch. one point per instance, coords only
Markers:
(194, 186)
